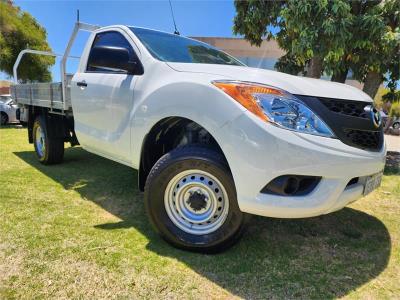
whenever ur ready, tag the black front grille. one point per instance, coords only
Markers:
(346, 107)
(363, 138)
(351, 121)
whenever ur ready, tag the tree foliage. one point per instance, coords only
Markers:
(18, 31)
(391, 96)
(374, 55)
(395, 110)
(331, 36)
(365, 26)
(317, 30)
(254, 19)
(310, 31)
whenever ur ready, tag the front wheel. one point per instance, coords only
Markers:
(396, 125)
(190, 199)
(48, 150)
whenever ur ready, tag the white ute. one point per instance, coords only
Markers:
(212, 139)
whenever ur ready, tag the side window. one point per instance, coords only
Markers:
(109, 39)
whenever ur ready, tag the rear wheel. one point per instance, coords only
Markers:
(191, 200)
(396, 125)
(3, 118)
(48, 150)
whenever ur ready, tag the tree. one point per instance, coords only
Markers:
(366, 27)
(333, 36)
(392, 101)
(310, 31)
(18, 31)
(258, 20)
(375, 56)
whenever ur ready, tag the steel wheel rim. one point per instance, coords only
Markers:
(196, 202)
(40, 141)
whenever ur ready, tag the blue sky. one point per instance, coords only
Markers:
(193, 18)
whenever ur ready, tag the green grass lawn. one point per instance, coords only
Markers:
(78, 230)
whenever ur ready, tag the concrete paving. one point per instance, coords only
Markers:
(392, 142)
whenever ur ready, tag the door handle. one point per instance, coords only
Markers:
(81, 83)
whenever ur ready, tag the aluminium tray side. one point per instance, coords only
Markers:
(47, 95)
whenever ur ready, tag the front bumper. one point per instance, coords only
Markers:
(258, 152)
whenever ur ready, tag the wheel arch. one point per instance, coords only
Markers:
(58, 126)
(170, 133)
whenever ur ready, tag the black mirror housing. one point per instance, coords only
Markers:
(113, 59)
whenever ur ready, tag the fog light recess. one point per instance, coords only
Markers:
(291, 185)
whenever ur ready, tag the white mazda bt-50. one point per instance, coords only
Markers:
(212, 139)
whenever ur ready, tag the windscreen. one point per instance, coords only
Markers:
(5, 99)
(174, 48)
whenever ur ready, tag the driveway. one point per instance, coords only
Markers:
(393, 143)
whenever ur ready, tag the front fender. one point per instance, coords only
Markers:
(193, 98)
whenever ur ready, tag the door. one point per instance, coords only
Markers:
(102, 98)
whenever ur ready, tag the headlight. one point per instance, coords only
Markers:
(275, 106)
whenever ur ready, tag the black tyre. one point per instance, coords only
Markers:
(48, 150)
(190, 198)
(396, 125)
(3, 118)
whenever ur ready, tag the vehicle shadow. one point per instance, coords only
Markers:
(12, 125)
(322, 257)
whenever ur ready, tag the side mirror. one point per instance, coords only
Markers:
(115, 59)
